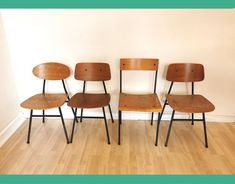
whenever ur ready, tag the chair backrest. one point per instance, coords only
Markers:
(92, 72)
(185, 72)
(138, 64)
(51, 71)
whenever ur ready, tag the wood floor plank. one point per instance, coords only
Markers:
(48, 152)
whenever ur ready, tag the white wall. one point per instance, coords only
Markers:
(71, 36)
(9, 104)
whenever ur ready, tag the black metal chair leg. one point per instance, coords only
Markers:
(205, 133)
(121, 117)
(68, 98)
(81, 115)
(74, 120)
(75, 114)
(106, 126)
(152, 118)
(157, 130)
(65, 131)
(169, 129)
(30, 123)
(119, 126)
(192, 119)
(111, 115)
(43, 116)
(163, 109)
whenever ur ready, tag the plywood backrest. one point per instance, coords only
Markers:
(51, 71)
(92, 72)
(138, 64)
(185, 72)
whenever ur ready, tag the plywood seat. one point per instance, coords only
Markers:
(140, 103)
(87, 100)
(44, 101)
(190, 103)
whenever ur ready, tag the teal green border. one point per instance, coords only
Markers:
(118, 179)
(117, 3)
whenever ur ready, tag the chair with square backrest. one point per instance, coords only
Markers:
(91, 72)
(194, 103)
(139, 102)
(43, 101)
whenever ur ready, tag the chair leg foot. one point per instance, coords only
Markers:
(111, 114)
(106, 125)
(75, 114)
(157, 130)
(74, 120)
(192, 118)
(169, 129)
(205, 132)
(119, 126)
(65, 131)
(30, 124)
(43, 116)
(152, 114)
(81, 115)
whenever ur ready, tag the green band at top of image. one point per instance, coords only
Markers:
(117, 3)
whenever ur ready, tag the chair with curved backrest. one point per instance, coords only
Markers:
(44, 101)
(91, 72)
(140, 102)
(194, 103)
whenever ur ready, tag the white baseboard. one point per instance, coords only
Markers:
(167, 117)
(221, 118)
(6, 133)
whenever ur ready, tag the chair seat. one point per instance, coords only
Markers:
(86, 100)
(139, 103)
(44, 101)
(190, 103)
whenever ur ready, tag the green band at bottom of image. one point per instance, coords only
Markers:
(114, 179)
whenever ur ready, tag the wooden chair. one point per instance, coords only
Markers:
(142, 102)
(44, 101)
(91, 72)
(194, 103)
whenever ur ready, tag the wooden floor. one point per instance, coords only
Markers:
(48, 152)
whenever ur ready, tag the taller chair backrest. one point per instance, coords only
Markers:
(185, 72)
(138, 64)
(52, 71)
(92, 72)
